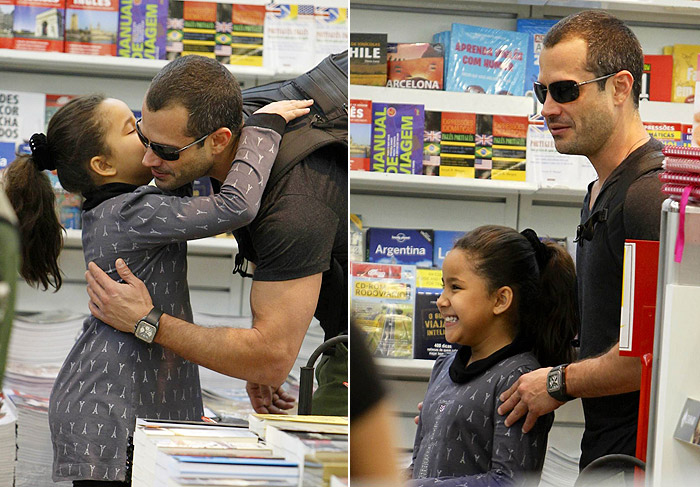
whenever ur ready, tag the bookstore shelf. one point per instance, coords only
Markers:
(432, 186)
(204, 246)
(671, 7)
(101, 66)
(447, 101)
(650, 111)
(405, 368)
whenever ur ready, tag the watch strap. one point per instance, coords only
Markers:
(153, 316)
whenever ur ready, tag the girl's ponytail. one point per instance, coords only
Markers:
(556, 311)
(29, 190)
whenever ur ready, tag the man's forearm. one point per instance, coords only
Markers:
(604, 375)
(242, 353)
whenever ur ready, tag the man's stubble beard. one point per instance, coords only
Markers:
(592, 132)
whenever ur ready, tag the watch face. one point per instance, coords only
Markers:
(145, 331)
(553, 381)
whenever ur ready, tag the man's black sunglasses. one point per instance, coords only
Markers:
(165, 152)
(563, 91)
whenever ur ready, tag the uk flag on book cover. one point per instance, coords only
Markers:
(240, 34)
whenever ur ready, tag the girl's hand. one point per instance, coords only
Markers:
(288, 109)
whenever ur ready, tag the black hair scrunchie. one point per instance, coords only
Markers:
(542, 252)
(40, 153)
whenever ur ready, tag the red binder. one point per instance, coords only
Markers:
(638, 310)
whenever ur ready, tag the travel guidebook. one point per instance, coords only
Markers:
(368, 59)
(482, 60)
(91, 27)
(382, 306)
(360, 134)
(415, 65)
(400, 246)
(247, 31)
(397, 138)
(289, 37)
(429, 330)
(142, 29)
(7, 11)
(38, 25)
(191, 28)
(483, 146)
(331, 31)
(536, 29)
(432, 136)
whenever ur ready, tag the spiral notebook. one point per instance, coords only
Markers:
(685, 178)
(680, 164)
(675, 191)
(685, 152)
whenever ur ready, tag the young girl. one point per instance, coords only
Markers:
(109, 378)
(509, 300)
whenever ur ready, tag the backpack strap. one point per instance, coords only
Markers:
(649, 162)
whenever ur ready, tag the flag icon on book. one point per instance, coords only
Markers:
(483, 139)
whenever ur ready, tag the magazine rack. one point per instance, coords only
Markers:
(306, 380)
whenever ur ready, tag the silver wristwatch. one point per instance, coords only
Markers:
(147, 327)
(556, 383)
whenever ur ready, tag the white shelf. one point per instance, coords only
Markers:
(671, 7)
(659, 111)
(447, 101)
(208, 246)
(404, 368)
(101, 66)
(686, 7)
(432, 186)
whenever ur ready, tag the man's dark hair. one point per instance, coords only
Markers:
(612, 46)
(205, 87)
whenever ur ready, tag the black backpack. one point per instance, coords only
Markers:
(326, 124)
(613, 201)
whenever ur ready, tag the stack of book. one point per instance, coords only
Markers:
(319, 444)
(176, 453)
(43, 337)
(8, 422)
(559, 470)
(322, 454)
(34, 451)
(38, 346)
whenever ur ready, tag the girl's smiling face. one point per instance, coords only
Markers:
(466, 303)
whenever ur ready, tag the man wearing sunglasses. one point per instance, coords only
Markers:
(299, 239)
(589, 84)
